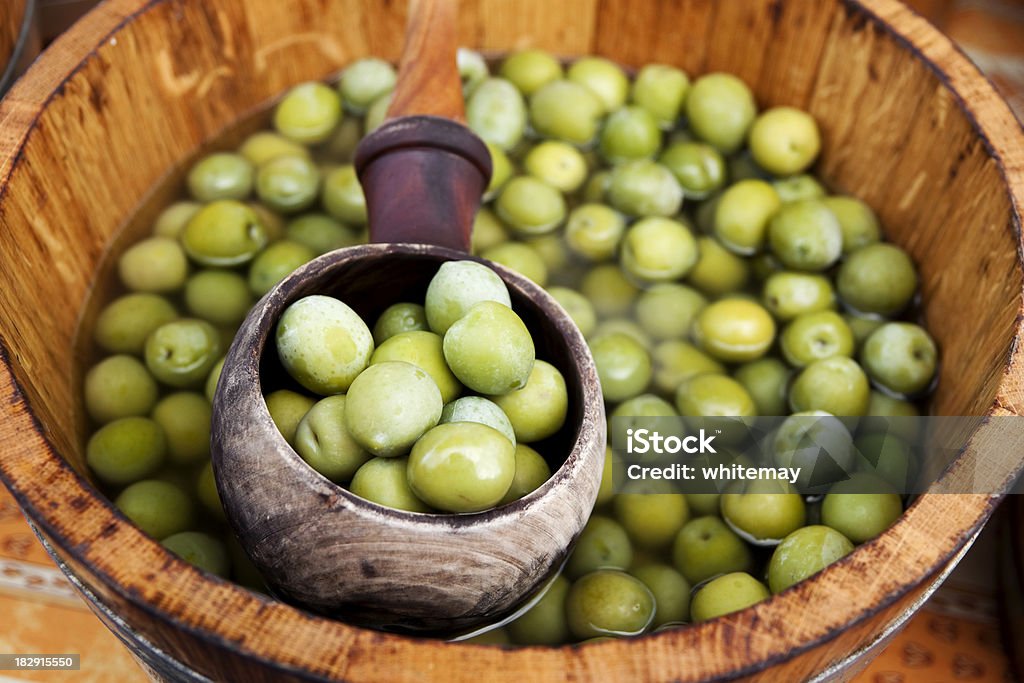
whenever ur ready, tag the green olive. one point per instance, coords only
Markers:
(603, 544)
(456, 288)
(545, 622)
(804, 553)
(676, 361)
(529, 70)
(726, 594)
(224, 233)
(565, 110)
(521, 258)
(185, 419)
(489, 349)
(608, 290)
(900, 357)
(734, 330)
(653, 518)
(623, 365)
(667, 310)
(390, 406)
(785, 140)
(706, 547)
(323, 441)
(835, 385)
(763, 510)
(699, 168)
(609, 602)
(385, 481)
(123, 324)
(670, 589)
(577, 306)
(878, 278)
(857, 221)
(222, 175)
(594, 231)
(718, 271)
(497, 113)
(789, 294)
(288, 184)
(629, 133)
(308, 113)
(182, 352)
(658, 249)
(119, 386)
(816, 336)
(478, 409)
(157, 507)
(287, 408)
(743, 214)
(343, 197)
(462, 467)
(537, 410)
(765, 380)
(714, 396)
(364, 81)
(558, 164)
(805, 235)
(126, 450)
(323, 344)
(661, 90)
(275, 263)
(531, 472)
(422, 349)
(643, 187)
(861, 507)
(530, 206)
(720, 109)
(603, 77)
(154, 265)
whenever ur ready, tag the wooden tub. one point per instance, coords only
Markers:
(139, 85)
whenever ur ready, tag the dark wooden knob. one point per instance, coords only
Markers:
(423, 177)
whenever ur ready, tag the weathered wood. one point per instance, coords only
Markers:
(322, 546)
(139, 85)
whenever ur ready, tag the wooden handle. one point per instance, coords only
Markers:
(423, 172)
(428, 74)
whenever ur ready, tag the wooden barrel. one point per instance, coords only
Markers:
(19, 39)
(139, 85)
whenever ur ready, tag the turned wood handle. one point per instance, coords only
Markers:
(422, 171)
(428, 75)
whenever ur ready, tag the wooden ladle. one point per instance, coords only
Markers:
(317, 544)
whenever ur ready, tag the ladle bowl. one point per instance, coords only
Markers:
(322, 547)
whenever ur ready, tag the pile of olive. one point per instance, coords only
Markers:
(711, 273)
(392, 421)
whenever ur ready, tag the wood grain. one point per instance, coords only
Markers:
(139, 85)
(428, 78)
